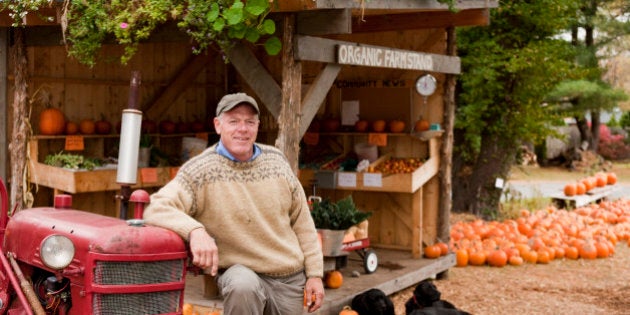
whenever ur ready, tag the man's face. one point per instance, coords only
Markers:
(238, 129)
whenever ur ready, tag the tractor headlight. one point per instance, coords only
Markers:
(57, 251)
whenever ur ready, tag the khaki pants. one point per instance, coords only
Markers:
(248, 293)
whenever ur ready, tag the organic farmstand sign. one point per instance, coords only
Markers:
(384, 57)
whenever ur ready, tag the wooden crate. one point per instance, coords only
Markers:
(404, 183)
(80, 181)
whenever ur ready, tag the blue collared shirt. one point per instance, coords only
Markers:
(223, 151)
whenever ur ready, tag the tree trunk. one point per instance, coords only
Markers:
(21, 130)
(585, 131)
(288, 140)
(595, 123)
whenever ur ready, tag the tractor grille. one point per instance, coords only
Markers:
(140, 272)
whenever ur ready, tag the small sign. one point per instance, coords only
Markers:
(148, 175)
(372, 179)
(378, 139)
(173, 172)
(498, 183)
(375, 56)
(74, 143)
(349, 112)
(347, 179)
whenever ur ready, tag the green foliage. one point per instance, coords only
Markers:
(72, 161)
(88, 24)
(508, 68)
(624, 122)
(586, 95)
(337, 216)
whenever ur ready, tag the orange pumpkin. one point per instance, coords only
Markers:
(421, 125)
(72, 128)
(497, 258)
(570, 189)
(580, 188)
(461, 258)
(515, 260)
(477, 258)
(378, 125)
(333, 279)
(187, 309)
(361, 125)
(443, 248)
(432, 251)
(611, 178)
(588, 250)
(52, 122)
(396, 126)
(87, 126)
(348, 311)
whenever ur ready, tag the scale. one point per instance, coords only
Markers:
(425, 86)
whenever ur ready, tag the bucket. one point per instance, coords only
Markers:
(366, 151)
(332, 241)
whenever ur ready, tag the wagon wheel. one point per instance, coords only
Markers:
(370, 261)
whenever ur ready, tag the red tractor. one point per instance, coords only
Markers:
(63, 261)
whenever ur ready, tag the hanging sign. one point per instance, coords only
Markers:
(374, 56)
(74, 143)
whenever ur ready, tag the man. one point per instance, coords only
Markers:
(246, 218)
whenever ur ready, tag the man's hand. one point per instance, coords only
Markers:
(314, 294)
(204, 250)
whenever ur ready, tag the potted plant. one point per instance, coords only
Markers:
(332, 219)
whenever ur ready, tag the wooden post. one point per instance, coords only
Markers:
(20, 132)
(446, 152)
(288, 140)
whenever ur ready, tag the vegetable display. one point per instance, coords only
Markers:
(72, 161)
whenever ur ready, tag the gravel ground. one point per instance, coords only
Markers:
(561, 287)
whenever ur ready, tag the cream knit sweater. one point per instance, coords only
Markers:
(256, 211)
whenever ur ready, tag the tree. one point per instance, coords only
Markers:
(508, 68)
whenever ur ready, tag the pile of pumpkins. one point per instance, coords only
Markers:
(540, 236)
(396, 125)
(586, 184)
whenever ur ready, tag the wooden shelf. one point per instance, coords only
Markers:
(80, 181)
(403, 183)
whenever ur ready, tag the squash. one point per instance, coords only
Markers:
(397, 126)
(421, 124)
(52, 122)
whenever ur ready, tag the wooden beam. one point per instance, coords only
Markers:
(288, 140)
(316, 94)
(158, 106)
(419, 20)
(325, 50)
(323, 22)
(256, 77)
(4, 108)
(301, 5)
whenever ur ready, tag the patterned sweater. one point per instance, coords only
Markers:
(256, 211)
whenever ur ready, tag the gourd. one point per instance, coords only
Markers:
(52, 122)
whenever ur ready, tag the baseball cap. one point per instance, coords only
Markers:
(229, 101)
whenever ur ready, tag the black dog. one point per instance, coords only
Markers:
(373, 302)
(427, 300)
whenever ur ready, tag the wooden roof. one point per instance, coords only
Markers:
(367, 15)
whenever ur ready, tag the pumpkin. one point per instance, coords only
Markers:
(515, 260)
(587, 250)
(601, 180)
(187, 309)
(570, 189)
(333, 279)
(102, 126)
(348, 311)
(611, 178)
(379, 125)
(167, 127)
(87, 126)
(443, 248)
(421, 125)
(580, 188)
(52, 122)
(396, 126)
(543, 257)
(361, 125)
(477, 258)
(432, 251)
(461, 258)
(72, 128)
(497, 258)
(331, 124)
